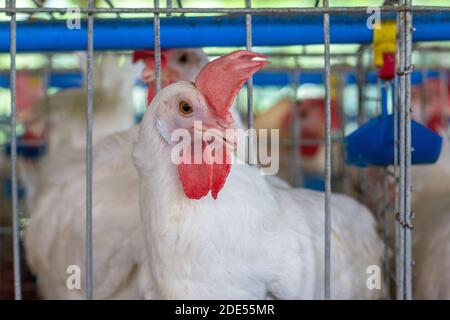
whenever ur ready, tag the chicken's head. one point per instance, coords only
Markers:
(436, 103)
(194, 119)
(312, 117)
(176, 64)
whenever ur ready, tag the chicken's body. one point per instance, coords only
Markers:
(55, 235)
(58, 210)
(431, 250)
(254, 241)
(56, 238)
(311, 154)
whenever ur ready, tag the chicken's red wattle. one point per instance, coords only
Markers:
(198, 179)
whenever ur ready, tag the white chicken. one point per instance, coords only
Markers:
(431, 249)
(431, 203)
(63, 167)
(253, 241)
(312, 116)
(63, 118)
(55, 235)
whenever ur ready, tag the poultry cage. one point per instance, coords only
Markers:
(352, 87)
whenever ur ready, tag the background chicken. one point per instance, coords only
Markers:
(312, 152)
(254, 240)
(64, 166)
(63, 119)
(431, 203)
(57, 224)
(177, 64)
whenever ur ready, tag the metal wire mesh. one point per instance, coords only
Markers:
(401, 109)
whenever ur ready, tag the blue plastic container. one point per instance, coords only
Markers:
(373, 143)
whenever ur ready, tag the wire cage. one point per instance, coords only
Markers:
(177, 26)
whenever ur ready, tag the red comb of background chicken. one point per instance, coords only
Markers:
(436, 122)
(220, 80)
(312, 115)
(148, 56)
(306, 104)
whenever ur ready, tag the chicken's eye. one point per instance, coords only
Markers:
(184, 58)
(185, 108)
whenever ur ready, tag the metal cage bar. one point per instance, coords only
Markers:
(157, 48)
(13, 118)
(274, 11)
(402, 133)
(408, 30)
(90, 101)
(404, 259)
(297, 173)
(327, 76)
(249, 45)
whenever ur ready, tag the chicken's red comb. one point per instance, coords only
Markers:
(320, 102)
(220, 80)
(148, 56)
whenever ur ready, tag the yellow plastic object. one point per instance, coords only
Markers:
(335, 84)
(384, 40)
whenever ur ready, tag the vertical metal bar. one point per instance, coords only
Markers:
(423, 95)
(398, 228)
(343, 120)
(157, 38)
(443, 82)
(249, 44)
(401, 189)
(408, 186)
(326, 37)
(297, 173)
(15, 208)
(387, 268)
(361, 82)
(169, 7)
(90, 97)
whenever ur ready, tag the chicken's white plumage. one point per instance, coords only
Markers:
(54, 238)
(255, 240)
(431, 249)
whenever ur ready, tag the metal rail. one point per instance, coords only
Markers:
(290, 10)
(157, 46)
(249, 44)
(327, 76)
(15, 204)
(89, 112)
(402, 102)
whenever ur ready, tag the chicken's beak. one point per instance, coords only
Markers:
(219, 131)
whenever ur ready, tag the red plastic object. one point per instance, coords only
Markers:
(387, 70)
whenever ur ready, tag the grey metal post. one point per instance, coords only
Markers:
(157, 35)
(297, 173)
(408, 149)
(249, 44)
(327, 75)
(15, 205)
(385, 217)
(90, 101)
(444, 95)
(401, 157)
(423, 95)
